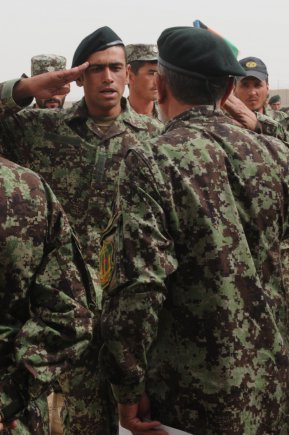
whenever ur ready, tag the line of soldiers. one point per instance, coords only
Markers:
(186, 321)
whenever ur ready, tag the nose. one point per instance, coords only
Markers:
(252, 90)
(107, 76)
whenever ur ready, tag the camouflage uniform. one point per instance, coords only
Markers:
(44, 320)
(80, 163)
(43, 63)
(194, 308)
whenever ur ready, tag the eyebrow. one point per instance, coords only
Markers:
(106, 64)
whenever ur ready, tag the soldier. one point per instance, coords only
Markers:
(194, 314)
(45, 322)
(275, 102)
(41, 64)
(253, 88)
(45, 63)
(78, 151)
(142, 65)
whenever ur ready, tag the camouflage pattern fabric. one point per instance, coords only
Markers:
(278, 125)
(80, 162)
(195, 309)
(43, 63)
(141, 52)
(45, 322)
(277, 115)
(274, 123)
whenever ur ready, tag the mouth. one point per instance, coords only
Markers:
(252, 102)
(109, 92)
(52, 100)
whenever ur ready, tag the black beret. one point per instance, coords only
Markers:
(100, 39)
(197, 52)
(275, 99)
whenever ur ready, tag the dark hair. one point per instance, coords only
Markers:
(135, 65)
(192, 90)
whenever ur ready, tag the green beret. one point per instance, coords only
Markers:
(43, 63)
(197, 52)
(100, 39)
(141, 52)
(275, 99)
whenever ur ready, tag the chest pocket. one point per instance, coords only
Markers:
(71, 162)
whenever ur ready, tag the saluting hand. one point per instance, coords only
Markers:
(46, 85)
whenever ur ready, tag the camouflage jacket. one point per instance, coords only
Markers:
(45, 322)
(273, 123)
(194, 308)
(73, 155)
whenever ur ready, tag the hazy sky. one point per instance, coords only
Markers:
(29, 27)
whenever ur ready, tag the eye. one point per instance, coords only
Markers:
(116, 68)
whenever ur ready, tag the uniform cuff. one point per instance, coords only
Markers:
(12, 401)
(126, 394)
(7, 96)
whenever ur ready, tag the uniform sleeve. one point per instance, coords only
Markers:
(16, 125)
(8, 105)
(267, 125)
(59, 325)
(137, 255)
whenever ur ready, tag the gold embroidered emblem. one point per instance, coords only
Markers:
(251, 64)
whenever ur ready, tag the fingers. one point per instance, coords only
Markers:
(69, 75)
(138, 427)
(11, 425)
(64, 90)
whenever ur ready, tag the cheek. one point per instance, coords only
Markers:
(120, 79)
(91, 82)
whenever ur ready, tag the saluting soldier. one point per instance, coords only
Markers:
(78, 151)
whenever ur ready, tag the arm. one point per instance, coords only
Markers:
(58, 326)
(138, 247)
(48, 84)
(17, 94)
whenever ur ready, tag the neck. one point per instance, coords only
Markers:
(176, 108)
(143, 107)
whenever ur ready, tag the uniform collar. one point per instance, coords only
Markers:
(127, 115)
